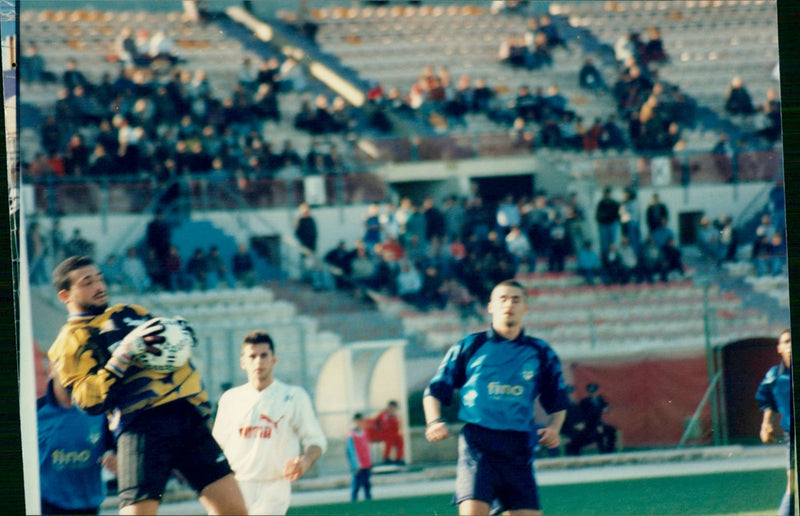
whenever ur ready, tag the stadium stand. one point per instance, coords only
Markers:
(390, 47)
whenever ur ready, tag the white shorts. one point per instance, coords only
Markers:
(266, 497)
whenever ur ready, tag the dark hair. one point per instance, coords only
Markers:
(258, 337)
(61, 279)
(358, 415)
(392, 403)
(512, 283)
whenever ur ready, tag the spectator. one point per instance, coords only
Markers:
(243, 267)
(708, 240)
(339, 261)
(359, 457)
(607, 216)
(629, 217)
(159, 235)
(629, 261)
(72, 77)
(37, 253)
(588, 263)
(728, 238)
(673, 260)
(662, 233)
(155, 270)
(594, 407)
(590, 78)
(651, 261)
(611, 136)
(134, 273)
(217, 270)
(75, 246)
(654, 214)
(409, 283)
(430, 293)
(738, 100)
(173, 268)
(519, 248)
(112, 272)
(32, 67)
(125, 50)
(653, 51)
(769, 255)
(197, 270)
(613, 267)
(305, 230)
(386, 428)
(559, 245)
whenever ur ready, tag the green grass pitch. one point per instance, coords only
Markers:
(751, 493)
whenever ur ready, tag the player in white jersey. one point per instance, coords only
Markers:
(267, 429)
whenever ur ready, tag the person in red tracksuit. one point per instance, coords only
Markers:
(386, 428)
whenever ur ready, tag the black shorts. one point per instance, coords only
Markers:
(496, 466)
(171, 436)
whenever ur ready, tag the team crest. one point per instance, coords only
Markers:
(527, 374)
(469, 398)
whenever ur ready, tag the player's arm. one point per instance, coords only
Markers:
(311, 437)
(767, 431)
(766, 403)
(436, 426)
(94, 385)
(550, 436)
(448, 377)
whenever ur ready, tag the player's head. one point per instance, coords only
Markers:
(392, 406)
(80, 285)
(358, 420)
(785, 346)
(507, 304)
(258, 358)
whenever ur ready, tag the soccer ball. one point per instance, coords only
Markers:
(176, 349)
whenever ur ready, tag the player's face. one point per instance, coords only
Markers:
(507, 306)
(258, 362)
(87, 293)
(785, 347)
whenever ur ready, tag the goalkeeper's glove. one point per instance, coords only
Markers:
(138, 341)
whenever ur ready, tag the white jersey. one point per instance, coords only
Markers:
(260, 430)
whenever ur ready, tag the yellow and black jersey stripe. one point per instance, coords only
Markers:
(81, 351)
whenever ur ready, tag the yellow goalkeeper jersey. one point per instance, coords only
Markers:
(80, 353)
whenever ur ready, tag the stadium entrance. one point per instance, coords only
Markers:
(494, 188)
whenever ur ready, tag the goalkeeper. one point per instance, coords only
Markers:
(159, 419)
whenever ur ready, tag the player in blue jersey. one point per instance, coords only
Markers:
(73, 449)
(499, 374)
(774, 398)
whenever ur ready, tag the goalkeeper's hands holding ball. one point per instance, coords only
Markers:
(136, 343)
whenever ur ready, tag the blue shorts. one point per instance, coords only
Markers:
(496, 466)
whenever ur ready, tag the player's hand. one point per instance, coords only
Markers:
(549, 437)
(139, 341)
(437, 431)
(767, 432)
(109, 461)
(294, 468)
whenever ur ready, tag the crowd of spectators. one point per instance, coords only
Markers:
(155, 118)
(432, 255)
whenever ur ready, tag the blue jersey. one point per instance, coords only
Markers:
(775, 392)
(500, 380)
(71, 444)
